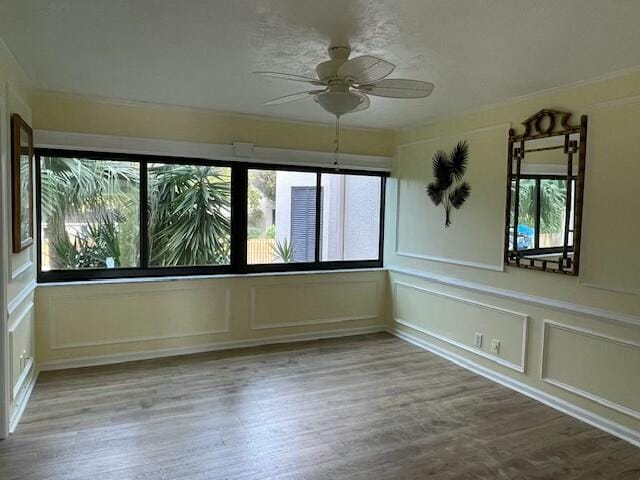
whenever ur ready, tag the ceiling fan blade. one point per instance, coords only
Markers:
(365, 101)
(366, 69)
(291, 76)
(292, 97)
(398, 88)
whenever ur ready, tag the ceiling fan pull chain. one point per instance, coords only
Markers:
(337, 151)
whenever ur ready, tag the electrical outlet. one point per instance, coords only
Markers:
(477, 340)
(495, 346)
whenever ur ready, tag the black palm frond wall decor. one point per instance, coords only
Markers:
(448, 189)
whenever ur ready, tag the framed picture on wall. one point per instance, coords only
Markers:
(22, 183)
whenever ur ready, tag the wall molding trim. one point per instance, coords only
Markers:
(15, 389)
(505, 125)
(434, 258)
(208, 347)
(24, 400)
(597, 421)
(16, 323)
(452, 261)
(575, 390)
(319, 321)
(26, 370)
(598, 286)
(113, 341)
(613, 103)
(210, 151)
(521, 98)
(521, 367)
(590, 109)
(13, 305)
(25, 267)
(553, 304)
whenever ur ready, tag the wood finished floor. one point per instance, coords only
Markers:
(369, 407)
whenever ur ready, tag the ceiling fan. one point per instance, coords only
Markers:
(345, 85)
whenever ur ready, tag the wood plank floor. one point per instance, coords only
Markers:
(369, 407)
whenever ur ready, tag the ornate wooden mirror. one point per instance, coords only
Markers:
(545, 188)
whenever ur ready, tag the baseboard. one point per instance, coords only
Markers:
(209, 347)
(552, 401)
(15, 419)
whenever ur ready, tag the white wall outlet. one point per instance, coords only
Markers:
(495, 346)
(477, 340)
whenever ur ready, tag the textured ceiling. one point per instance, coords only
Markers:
(201, 54)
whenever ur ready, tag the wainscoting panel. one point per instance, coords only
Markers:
(20, 348)
(454, 320)
(419, 225)
(298, 303)
(110, 318)
(572, 359)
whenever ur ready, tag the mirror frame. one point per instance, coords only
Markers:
(544, 124)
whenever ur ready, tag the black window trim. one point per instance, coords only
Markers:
(239, 187)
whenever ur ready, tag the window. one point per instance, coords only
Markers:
(90, 214)
(281, 216)
(542, 211)
(350, 217)
(117, 215)
(189, 215)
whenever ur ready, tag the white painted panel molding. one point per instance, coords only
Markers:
(625, 353)
(21, 349)
(167, 313)
(21, 402)
(25, 267)
(521, 318)
(209, 347)
(300, 303)
(433, 258)
(13, 305)
(614, 428)
(610, 262)
(559, 305)
(498, 266)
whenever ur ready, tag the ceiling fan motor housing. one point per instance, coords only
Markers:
(328, 71)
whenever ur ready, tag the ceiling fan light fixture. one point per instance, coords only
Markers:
(339, 103)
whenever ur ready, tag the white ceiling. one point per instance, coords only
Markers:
(201, 53)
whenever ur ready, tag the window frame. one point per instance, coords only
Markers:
(239, 187)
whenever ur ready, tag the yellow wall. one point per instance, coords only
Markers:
(18, 270)
(76, 114)
(458, 286)
(86, 324)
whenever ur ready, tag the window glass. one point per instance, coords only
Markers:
(189, 215)
(93, 224)
(90, 213)
(281, 216)
(350, 217)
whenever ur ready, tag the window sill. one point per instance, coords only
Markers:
(121, 281)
